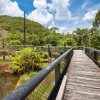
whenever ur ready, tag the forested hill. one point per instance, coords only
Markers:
(36, 33)
(16, 24)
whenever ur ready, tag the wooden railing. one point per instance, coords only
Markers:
(93, 54)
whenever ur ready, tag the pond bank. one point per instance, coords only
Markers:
(4, 69)
(7, 83)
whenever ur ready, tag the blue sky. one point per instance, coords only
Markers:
(67, 15)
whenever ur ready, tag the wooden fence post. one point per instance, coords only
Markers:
(86, 41)
(95, 56)
(49, 54)
(3, 47)
(57, 72)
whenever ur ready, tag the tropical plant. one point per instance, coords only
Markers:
(25, 60)
(96, 22)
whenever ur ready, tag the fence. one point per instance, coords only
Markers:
(46, 83)
(93, 54)
(6, 50)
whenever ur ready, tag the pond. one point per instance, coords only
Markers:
(7, 83)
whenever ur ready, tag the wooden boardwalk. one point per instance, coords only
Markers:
(83, 78)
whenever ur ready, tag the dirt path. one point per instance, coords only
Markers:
(4, 69)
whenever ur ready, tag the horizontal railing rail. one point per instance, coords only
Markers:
(94, 54)
(31, 85)
(78, 47)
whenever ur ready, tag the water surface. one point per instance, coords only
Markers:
(7, 83)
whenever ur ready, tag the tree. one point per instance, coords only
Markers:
(53, 29)
(93, 30)
(81, 35)
(96, 22)
(95, 41)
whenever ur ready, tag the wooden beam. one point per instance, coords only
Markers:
(60, 94)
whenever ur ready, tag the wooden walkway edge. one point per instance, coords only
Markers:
(83, 78)
(60, 94)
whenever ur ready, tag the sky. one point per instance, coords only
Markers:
(67, 15)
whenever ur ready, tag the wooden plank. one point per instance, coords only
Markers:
(60, 94)
(83, 78)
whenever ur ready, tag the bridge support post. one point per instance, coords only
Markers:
(95, 56)
(57, 72)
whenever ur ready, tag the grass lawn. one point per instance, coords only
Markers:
(44, 89)
(27, 76)
(6, 62)
(2, 63)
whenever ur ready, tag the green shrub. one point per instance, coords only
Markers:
(14, 42)
(45, 55)
(55, 54)
(25, 60)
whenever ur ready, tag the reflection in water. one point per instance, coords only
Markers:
(7, 83)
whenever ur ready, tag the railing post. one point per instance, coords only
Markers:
(57, 72)
(95, 56)
(86, 41)
(66, 61)
(84, 48)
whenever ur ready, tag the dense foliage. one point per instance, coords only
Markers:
(25, 60)
(89, 37)
(36, 34)
(96, 22)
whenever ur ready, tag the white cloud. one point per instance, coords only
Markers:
(89, 16)
(62, 29)
(61, 9)
(41, 14)
(40, 3)
(7, 7)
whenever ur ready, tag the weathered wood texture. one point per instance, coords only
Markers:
(83, 78)
(60, 94)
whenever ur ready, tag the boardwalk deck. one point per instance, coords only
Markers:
(83, 78)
